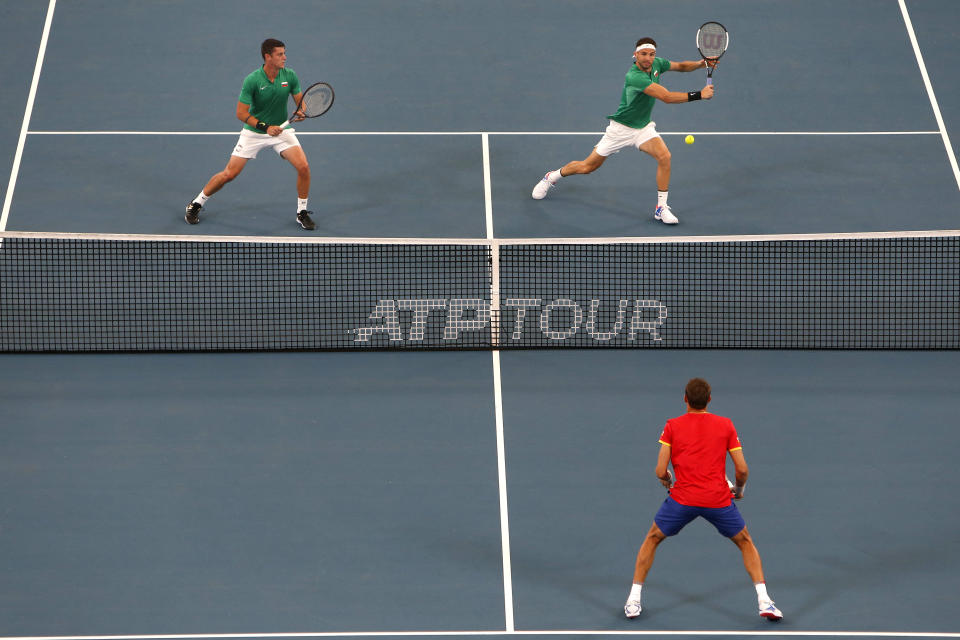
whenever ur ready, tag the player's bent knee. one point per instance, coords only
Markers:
(742, 538)
(230, 172)
(655, 534)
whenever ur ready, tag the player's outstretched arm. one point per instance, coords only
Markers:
(660, 92)
(691, 65)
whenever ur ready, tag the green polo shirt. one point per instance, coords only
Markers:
(635, 105)
(268, 100)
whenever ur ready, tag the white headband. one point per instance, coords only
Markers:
(645, 45)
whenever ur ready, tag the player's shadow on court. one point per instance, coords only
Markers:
(718, 599)
(840, 574)
(579, 215)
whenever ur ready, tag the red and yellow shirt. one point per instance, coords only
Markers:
(699, 443)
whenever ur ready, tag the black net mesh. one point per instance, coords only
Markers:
(119, 294)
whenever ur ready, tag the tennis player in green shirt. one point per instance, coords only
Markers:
(262, 106)
(631, 126)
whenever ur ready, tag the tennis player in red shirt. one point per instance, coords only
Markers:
(697, 444)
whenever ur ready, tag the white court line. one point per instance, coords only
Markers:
(487, 190)
(25, 126)
(504, 510)
(495, 255)
(489, 133)
(386, 634)
(498, 396)
(933, 98)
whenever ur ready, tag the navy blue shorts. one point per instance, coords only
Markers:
(673, 516)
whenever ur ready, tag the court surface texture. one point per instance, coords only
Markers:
(473, 494)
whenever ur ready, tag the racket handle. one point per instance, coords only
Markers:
(285, 124)
(709, 80)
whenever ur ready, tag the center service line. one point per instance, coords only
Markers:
(498, 389)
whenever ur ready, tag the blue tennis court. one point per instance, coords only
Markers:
(470, 493)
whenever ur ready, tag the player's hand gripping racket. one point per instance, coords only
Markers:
(712, 41)
(315, 101)
(735, 492)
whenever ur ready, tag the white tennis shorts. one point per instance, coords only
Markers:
(250, 143)
(620, 136)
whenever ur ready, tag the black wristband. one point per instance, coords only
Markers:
(693, 95)
(262, 126)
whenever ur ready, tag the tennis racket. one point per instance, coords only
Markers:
(315, 101)
(712, 41)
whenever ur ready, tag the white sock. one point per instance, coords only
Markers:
(635, 591)
(553, 176)
(761, 588)
(202, 198)
(301, 204)
(662, 198)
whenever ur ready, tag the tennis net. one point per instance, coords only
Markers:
(79, 293)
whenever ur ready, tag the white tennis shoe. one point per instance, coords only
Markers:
(540, 191)
(664, 215)
(632, 609)
(769, 611)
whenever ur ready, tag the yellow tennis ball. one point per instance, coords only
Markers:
(688, 139)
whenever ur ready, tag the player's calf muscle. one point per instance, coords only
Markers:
(580, 167)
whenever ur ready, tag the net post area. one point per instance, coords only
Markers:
(118, 293)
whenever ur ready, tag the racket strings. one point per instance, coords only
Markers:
(712, 40)
(316, 101)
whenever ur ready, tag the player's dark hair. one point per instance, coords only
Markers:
(646, 41)
(268, 45)
(698, 393)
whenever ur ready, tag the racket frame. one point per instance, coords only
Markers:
(725, 45)
(304, 95)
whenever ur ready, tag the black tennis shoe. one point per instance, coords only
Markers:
(193, 213)
(304, 219)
